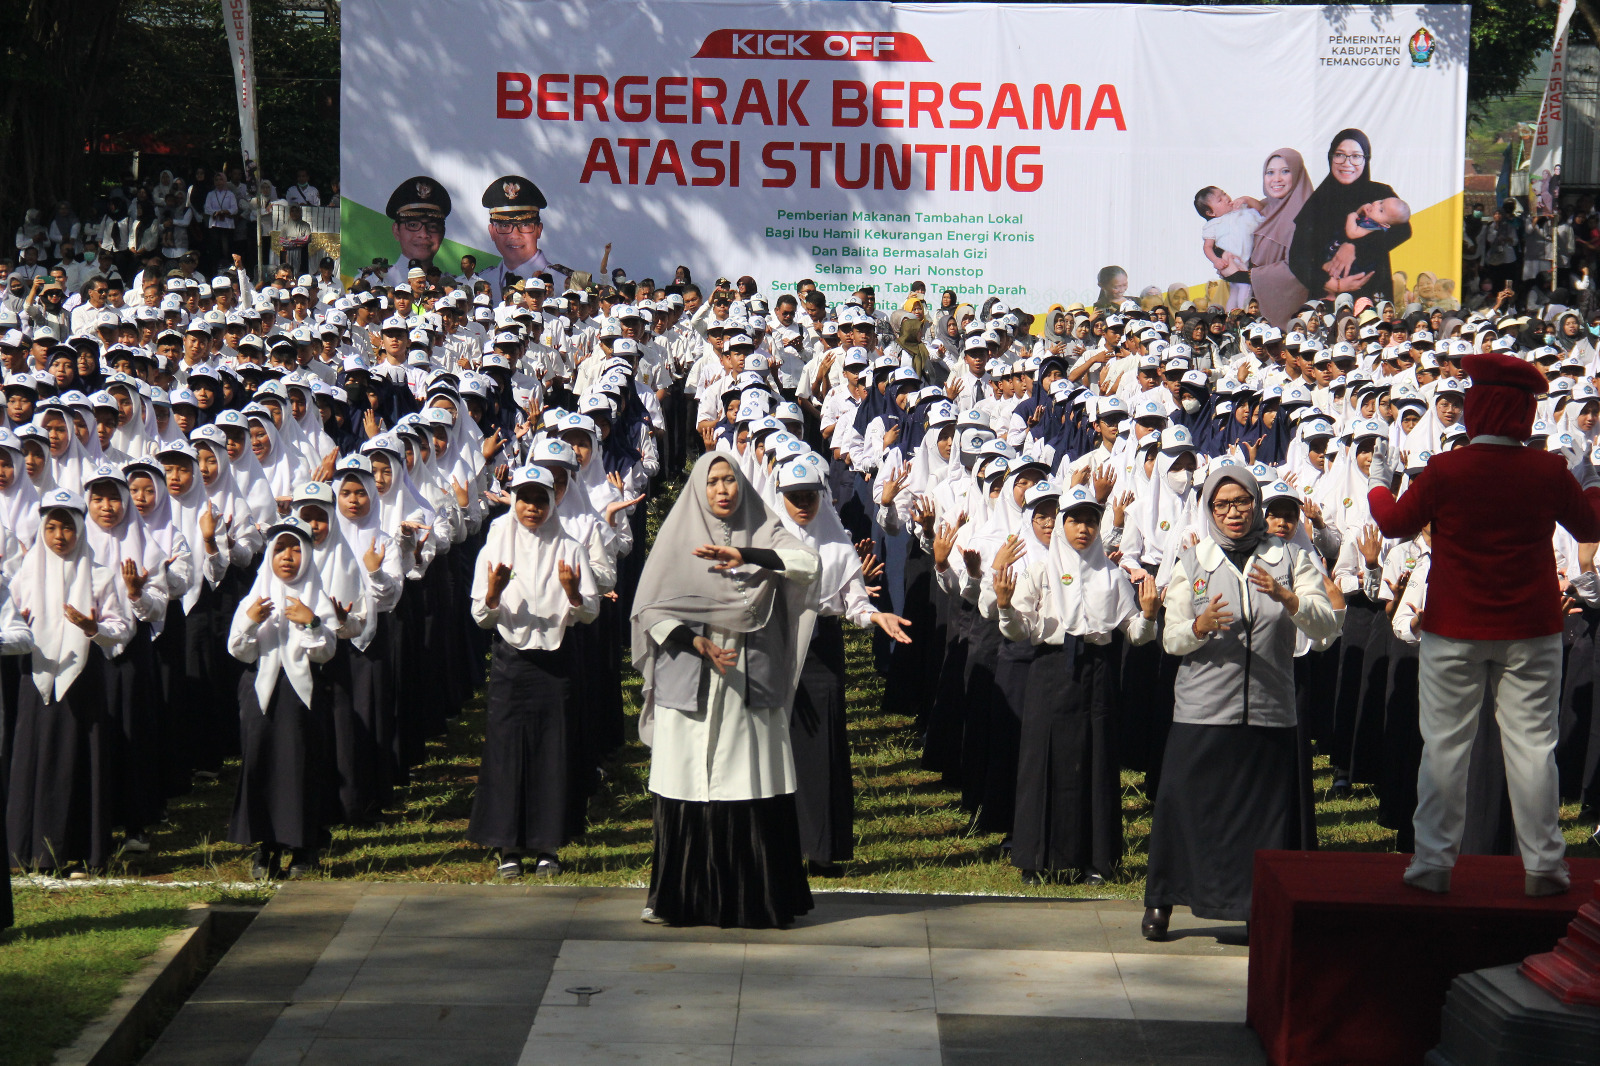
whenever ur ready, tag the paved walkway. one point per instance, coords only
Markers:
(352, 973)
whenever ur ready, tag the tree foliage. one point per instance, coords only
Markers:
(84, 84)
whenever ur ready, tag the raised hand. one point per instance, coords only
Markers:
(341, 611)
(1005, 582)
(945, 541)
(720, 658)
(134, 578)
(259, 610)
(1312, 513)
(727, 557)
(499, 577)
(491, 444)
(208, 526)
(973, 560)
(616, 507)
(324, 471)
(1119, 508)
(892, 486)
(1081, 476)
(462, 496)
(1370, 543)
(1274, 590)
(569, 583)
(1214, 619)
(893, 625)
(922, 515)
(370, 423)
(1105, 479)
(1149, 596)
(298, 613)
(891, 435)
(1009, 553)
(89, 623)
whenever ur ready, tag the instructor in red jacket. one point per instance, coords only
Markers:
(1492, 615)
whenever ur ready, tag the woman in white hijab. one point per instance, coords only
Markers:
(122, 543)
(720, 642)
(19, 497)
(59, 805)
(1071, 604)
(824, 793)
(246, 476)
(165, 525)
(532, 582)
(281, 628)
(69, 461)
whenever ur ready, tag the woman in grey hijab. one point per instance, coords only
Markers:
(1230, 772)
(719, 634)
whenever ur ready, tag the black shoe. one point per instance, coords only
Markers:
(1092, 877)
(263, 864)
(302, 863)
(1341, 786)
(824, 869)
(1154, 926)
(547, 866)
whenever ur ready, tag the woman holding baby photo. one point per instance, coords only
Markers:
(1347, 228)
(1285, 188)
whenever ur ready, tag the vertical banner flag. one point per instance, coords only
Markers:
(236, 23)
(1544, 163)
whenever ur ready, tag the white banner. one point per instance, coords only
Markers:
(1045, 153)
(241, 54)
(1544, 162)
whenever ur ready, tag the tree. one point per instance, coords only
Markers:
(82, 83)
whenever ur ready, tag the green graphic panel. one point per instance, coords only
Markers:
(365, 233)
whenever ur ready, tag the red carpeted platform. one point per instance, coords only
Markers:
(1348, 965)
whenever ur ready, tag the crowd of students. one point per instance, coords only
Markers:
(254, 520)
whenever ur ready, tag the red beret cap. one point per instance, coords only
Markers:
(1498, 368)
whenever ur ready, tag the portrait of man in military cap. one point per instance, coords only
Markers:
(515, 227)
(418, 206)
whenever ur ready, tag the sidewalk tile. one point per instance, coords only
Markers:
(541, 1051)
(835, 994)
(845, 1029)
(651, 957)
(836, 960)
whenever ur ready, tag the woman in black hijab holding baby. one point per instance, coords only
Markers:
(1324, 257)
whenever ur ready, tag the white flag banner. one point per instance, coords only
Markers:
(241, 53)
(1544, 162)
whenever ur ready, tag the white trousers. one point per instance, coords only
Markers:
(1524, 677)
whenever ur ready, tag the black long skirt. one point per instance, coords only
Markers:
(941, 748)
(357, 689)
(286, 784)
(59, 807)
(1402, 744)
(1578, 754)
(1013, 666)
(211, 677)
(585, 649)
(1227, 792)
(178, 717)
(1363, 682)
(415, 717)
(520, 806)
(824, 793)
(138, 796)
(1148, 679)
(735, 864)
(980, 701)
(1068, 790)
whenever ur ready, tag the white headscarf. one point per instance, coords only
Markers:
(1091, 594)
(128, 541)
(274, 637)
(533, 608)
(46, 582)
(826, 536)
(19, 501)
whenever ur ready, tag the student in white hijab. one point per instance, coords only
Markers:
(120, 541)
(1070, 604)
(282, 627)
(824, 792)
(532, 582)
(247, 478)
(59, 804)
(19, 497)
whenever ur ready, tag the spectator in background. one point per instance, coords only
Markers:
(222, 218)
(302, 191)
(30, 266)
(31, 234)
(77, 268)
(63, 227)
(1501, 249)
(296, 238)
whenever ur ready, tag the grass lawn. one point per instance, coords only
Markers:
(76, 944)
